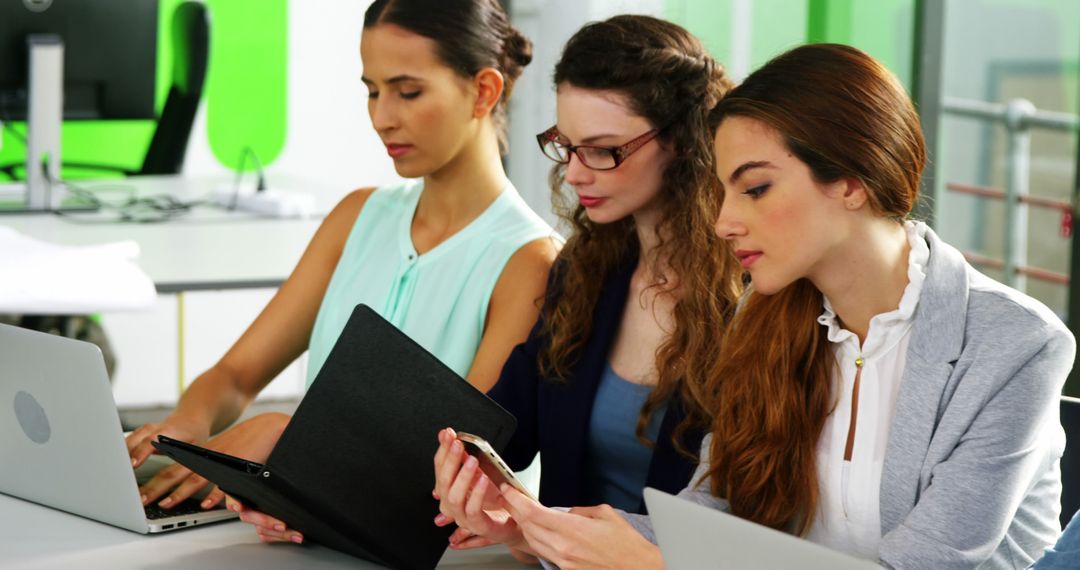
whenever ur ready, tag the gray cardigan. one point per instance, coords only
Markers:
(971, 476)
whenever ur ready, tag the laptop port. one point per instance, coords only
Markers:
(181, 524)
(167, 527)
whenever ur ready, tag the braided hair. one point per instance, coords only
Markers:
(665, 75)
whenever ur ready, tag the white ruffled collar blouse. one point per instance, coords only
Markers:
(849, 517)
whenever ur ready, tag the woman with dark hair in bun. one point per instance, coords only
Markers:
(638, 296)
(452, 256)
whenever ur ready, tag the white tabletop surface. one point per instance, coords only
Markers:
(208, 248)
(33, 537)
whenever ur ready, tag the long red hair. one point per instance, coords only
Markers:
(844, 115)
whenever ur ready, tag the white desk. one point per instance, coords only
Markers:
(190, 259)
(33, 537)
(208, 248)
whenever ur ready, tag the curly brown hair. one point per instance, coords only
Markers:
(666, 76)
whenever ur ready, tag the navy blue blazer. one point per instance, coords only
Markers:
(553, 416)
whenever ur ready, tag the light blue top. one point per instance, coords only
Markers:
(440, 299)
(618, 463)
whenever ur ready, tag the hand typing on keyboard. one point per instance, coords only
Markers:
(252, 439)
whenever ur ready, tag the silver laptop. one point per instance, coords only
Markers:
(61, 444)
(693, 536)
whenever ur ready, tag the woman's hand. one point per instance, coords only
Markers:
(268, 528)
(139, 441)
(585, 537)
(252, 439)
(467, 497)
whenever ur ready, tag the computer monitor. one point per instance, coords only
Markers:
(109, 53)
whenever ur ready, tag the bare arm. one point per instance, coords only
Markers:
(511, 313)
(514, 307)
(277, 337)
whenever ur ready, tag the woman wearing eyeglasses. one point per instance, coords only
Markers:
(640, 289)
(875, 394)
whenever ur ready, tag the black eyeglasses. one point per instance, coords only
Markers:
(593, 157)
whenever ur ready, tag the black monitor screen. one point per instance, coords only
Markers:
(110, 49)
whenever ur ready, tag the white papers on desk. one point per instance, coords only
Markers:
(38, 277)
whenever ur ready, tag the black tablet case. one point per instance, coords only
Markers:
(354, 468)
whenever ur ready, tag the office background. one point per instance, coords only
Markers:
(284, 80)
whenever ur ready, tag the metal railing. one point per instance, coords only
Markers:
(1019, 117)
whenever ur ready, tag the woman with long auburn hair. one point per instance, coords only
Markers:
(875, 393)
(638, 294)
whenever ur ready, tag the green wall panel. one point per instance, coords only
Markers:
(886, 30)
(709, 21)
(246, 89)
(829, 21)
(779, 25)
(883, 28)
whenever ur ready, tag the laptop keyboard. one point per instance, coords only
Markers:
(189, 506)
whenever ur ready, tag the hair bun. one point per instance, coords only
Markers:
(518, 49)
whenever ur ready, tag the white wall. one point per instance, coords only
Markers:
(329, 139)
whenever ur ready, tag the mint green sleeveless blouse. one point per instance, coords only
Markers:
(440, 299)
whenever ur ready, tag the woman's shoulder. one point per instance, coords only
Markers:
(993, 313)
(1007, 332)
(397, 192)
(615, 278)
(519, 236)
(348, 208)
(392, 192)
(356, 199)
(513, 219)
(343, 220)
(539, 254)
(997, 310)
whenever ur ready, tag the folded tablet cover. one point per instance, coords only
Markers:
(256, 487)
(357, 454)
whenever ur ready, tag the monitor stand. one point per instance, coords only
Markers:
(43, 190)
(44, 120)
